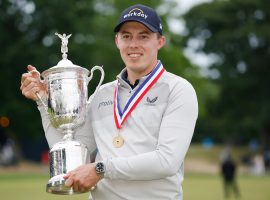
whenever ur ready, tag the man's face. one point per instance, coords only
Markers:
(138, 47)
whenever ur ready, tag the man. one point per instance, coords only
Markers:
(228, 171)
(143, 133)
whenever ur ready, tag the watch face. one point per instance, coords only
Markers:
(100, 168)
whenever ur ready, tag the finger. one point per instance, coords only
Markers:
(30, 95)
(27, 79)
(25, 76)
(83, 189)
(75, 186)
(35, 74)
(31, 68)
(30, 83)
(66, 176)
(31, 92)
(33, 71)
(69, 182)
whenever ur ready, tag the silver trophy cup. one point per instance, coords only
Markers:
(66, 105)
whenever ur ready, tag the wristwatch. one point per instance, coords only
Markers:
(100, 169)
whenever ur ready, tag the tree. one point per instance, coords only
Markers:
(237, 32)
(27, 36)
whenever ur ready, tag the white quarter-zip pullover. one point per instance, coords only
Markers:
(156, 135)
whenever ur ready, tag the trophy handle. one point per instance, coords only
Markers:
(37, 94)
(99, 84)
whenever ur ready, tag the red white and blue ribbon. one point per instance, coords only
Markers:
(121, 116)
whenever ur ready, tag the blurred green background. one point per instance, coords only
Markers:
(221, 47)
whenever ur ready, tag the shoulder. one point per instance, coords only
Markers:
(176, 82)
(106, 89)
(104, 95)
(181, 94)
(108, 86)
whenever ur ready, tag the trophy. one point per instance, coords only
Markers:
(66, 106)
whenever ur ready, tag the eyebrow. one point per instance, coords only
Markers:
(123, 32)
(145, 32)
(142, 32)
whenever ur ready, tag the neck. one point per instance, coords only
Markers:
(132, 77)
(135, 75)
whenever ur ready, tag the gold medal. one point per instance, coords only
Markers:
(118, 141)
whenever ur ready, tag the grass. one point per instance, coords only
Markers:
(196, 187)
(210, 187)
(30, 187)
(206, 184)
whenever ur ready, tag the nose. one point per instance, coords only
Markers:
(134, 42)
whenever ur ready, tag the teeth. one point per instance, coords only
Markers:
(134, 55)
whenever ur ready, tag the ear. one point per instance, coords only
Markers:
(161, 42)
(116, 40)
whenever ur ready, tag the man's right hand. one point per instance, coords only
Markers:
(31, 84)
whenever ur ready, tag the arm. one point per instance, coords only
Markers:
(84, 134)
(31, 85)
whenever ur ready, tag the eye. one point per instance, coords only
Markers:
(126, 36)
(144, 36)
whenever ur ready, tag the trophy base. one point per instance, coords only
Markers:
(56, 185)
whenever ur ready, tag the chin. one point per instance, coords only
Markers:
(134, 65)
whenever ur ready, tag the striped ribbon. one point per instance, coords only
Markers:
(121, 116)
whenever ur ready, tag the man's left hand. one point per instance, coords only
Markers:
(83, 178)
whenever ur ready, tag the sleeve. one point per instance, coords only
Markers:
(176, 131)
(84, 134)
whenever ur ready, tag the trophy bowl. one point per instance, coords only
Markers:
(66, 106)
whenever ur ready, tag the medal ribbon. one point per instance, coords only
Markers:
(119, 116)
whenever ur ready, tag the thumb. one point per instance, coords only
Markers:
(68, 182)
(66, 176)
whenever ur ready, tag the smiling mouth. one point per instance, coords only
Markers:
(134, 55)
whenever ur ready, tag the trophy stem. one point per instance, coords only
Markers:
(68, 135)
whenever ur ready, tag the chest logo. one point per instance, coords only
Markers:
(105, 103)
(151, 100)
